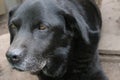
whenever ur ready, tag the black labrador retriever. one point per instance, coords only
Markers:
(56, 39)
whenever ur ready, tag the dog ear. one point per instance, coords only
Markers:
(77, 24)
(86, 20)
(11, 13)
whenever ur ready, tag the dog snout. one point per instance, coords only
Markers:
(14, 55)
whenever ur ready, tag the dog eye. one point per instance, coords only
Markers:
(13, 26)
(42, 27)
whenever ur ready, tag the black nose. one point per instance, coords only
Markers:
(13, 58)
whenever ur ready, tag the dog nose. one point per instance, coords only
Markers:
(13, 56)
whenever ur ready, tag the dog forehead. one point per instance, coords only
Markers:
(37, 5)
(31, 8)
(38, 9)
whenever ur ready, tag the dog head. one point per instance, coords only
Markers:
(42, 32)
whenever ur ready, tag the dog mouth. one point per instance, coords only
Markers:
(18, 68)
(32, 69)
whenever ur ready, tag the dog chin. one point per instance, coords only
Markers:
(18, 68)
(31, 69)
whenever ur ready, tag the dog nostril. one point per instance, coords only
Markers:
(13, 58)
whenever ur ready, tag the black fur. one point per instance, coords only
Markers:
(66, 49)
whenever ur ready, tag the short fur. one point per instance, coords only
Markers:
(66, 49)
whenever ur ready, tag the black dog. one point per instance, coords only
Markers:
(56, 39)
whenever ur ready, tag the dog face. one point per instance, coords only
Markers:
(39, 39)
(41, 36)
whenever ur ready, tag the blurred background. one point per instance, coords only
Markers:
(109, 46)
(5, 6)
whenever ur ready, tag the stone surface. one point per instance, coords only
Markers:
(112, 70)
(110, 40)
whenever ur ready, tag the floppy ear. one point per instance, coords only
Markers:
(86, 20)
(77, 24)
(11, 13)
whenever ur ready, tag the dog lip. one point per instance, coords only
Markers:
(41, 67)
(17, 68)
